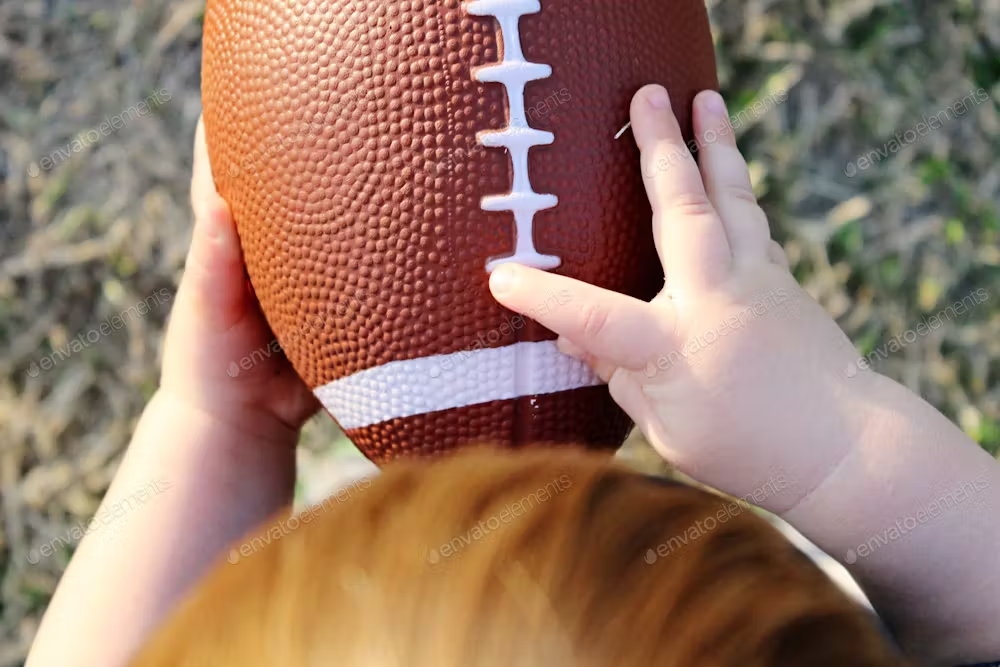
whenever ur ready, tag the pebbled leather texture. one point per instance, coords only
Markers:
(344, 135)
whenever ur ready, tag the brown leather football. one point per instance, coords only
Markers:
(382, 156)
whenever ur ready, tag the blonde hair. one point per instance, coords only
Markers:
(430, 567)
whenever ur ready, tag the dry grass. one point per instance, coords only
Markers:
(90, 237)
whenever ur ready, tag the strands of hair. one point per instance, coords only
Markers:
(491, 558)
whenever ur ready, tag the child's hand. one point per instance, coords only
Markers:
(196, 435)
(220, 355)
(733, 372)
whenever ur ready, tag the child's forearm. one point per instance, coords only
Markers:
(213, 483)
(913, 511)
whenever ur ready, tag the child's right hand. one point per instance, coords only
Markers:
(733, 372)
(744, 382)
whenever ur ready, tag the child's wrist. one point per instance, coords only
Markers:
(244, 421)
(880, 416)
(912, 491)
(906, 455)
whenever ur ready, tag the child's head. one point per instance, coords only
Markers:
(493, 559)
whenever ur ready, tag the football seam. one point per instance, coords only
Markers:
(514, 72)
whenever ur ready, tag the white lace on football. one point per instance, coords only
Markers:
(442, 382)
(514, 72)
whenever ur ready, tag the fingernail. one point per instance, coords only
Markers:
(658, 98)
(218, 225)
(503, 279)
(714, 104)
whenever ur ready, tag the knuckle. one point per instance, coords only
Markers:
(741, 193)
(778, 255)
(691, 204)
(593, 319)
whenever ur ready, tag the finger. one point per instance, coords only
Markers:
(215, 240)
(603, 369)
(203, 194)
(688, 233)
(627, 390)
(776, 254)
(214, 277)
(613, 327)
(727, 179)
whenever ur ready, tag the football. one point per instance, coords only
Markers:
(381, 157)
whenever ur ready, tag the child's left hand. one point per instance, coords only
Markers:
(219, 444)
(220, 356)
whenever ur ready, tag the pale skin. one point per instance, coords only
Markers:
(733, 373)
(224, 446)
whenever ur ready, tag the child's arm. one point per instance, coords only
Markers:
(914, 512)
(215, 483)
(737, 376)
(219, 450)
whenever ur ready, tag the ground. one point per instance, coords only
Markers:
(889, 218)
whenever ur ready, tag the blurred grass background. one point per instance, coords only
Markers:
(816, 84)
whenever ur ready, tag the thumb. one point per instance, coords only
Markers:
(214, 281)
